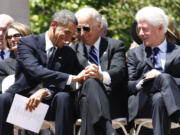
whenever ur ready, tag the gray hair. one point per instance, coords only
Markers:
(63, 17)
(104, 23)
(89, 11)
(154, 16)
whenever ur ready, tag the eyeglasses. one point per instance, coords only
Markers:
(15, 36)
(87, 29)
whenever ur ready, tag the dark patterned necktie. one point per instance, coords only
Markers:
(2, 54)
(93, 56)
(50, 56)
(156, 60)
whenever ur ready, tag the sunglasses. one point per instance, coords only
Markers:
(87, 29)
(15, 36)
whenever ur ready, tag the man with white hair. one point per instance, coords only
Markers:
(154, 73)
(5, 21)
(104, 62)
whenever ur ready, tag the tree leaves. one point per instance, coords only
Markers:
(119, 13)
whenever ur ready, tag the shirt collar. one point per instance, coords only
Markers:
(163, 46)
(49, 44)
(96, 44)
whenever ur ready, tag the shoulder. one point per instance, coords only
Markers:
(7, 62)
(140, 48)
(112, 41)
(32, 39)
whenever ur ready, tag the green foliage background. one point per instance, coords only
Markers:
(119, 13)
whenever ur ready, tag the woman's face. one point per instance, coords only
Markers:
(13, 37)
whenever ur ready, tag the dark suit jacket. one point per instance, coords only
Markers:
(31, 67)
(7, 67)
(139, 62)
(112, 60)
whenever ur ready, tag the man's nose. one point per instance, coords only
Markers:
(141, 33)
(82, 32)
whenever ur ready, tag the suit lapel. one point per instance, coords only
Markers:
(103, 54)
(169, 55)
(42, 51)
(82, 54)
(148, 55)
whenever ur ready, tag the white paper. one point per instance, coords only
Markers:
(25, 119)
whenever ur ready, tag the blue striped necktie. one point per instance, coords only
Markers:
(93, 56)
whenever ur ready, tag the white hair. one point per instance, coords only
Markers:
(89, 11)
(6, 17)
(154, 16)
(104, 23)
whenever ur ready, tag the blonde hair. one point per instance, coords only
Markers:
(23, 29)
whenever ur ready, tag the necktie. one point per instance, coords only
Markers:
(2, 54)
(93, 56)
(50, 56)
(156, 60)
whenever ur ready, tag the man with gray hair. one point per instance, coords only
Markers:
(45, 69)
(154, 75)
(5, 21)
(104, 26)
(103, 94)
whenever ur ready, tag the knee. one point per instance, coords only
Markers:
(6, 98)
(157, 100)
(6, 101)
(91, 86)
(164, 76)
(90, 81)
(62, 96)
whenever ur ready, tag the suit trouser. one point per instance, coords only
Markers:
(61, 105)
(94, 107)
(164, 95)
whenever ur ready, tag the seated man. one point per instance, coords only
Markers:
(103, 95)
(153, 69)
(5, 21)
(43, 61)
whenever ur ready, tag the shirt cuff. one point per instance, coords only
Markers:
(78, 85)
(106, 78)
(69, 80)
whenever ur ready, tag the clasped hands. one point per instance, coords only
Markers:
(91, 71)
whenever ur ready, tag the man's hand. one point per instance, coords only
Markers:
(152, 74)
(35, 99)
(81, 77)
(93, 71)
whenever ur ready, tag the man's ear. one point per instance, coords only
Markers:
(160, 27)
(53, 23)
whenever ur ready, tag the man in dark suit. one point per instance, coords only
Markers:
(53, 74)
(103, 93)
(153, 70)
